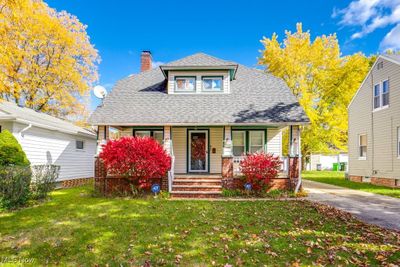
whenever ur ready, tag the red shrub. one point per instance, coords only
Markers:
(259, 169)
(138, 158)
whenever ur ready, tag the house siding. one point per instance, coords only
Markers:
(216, 141)
(380, 126)
(49, 147)
(274, 141)
(179, 142)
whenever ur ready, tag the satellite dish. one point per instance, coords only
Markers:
(99, 91)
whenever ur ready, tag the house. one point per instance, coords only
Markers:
(374, 125)
(49, 140)
(207, 112)
(327, 162)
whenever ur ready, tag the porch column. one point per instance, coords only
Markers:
(295, 156)
(227, 154)
(103, 135)
(167, 140)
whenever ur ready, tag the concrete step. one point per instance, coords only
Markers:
(191, 176)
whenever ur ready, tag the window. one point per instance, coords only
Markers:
(256, 141)
(158, 135)
(238, 140)
(185, 84)
(385, 93)
(212, 84)
(381, 94)
(377, 96)
(79, 144)
(362, 146)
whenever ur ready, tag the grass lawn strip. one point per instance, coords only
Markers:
(75, 228)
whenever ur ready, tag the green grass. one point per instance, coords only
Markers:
(337, 178)
(75, 228)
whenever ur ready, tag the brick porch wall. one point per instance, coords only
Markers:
(355, 178)
(238, 183)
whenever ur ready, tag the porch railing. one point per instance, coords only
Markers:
(237, 159)
(171, 172)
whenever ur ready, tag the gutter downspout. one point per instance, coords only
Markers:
(300, 163)
(25, 129)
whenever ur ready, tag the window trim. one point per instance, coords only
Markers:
(76, 145)
(380, 95)
(359, 147)
(176, 90)
(212, 77)
(247, 138)
(262, 136)
(244, 142)
(148, 130)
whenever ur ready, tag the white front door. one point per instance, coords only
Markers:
(198, 151)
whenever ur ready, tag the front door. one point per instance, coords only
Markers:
(198, 151)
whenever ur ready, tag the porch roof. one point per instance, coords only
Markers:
(255, 98)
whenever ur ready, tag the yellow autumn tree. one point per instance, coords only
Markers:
(46, 58)
(323, 81)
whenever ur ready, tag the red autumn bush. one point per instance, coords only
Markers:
(259, 168)
(138, 158)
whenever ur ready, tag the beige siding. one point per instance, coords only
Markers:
(274, 141)
(179, 143)
(126, 132)
(198, 74)
(216, 141)
(380, 126)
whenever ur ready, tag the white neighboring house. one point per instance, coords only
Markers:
(49, 140)
(325, 162)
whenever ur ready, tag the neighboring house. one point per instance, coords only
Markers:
(198, 106)
(48, 140)
(374, 125)
(326, 162)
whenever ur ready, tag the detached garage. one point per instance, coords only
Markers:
(49, 140)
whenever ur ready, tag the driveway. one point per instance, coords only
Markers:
(368, 207)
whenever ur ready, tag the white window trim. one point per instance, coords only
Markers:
(381, 106)
(83, 146)
(184, 90)
(359, 145)
(212, 78)
(263, 139)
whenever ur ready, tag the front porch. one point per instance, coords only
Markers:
(201, 153)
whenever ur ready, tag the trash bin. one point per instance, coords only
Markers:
(342, 166)
(335, 167)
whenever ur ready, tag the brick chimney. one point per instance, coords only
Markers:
(145, 61)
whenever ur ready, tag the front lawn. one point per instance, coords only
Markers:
(337, 178)
(75, 228)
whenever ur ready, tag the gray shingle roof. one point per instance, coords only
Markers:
(199, 59)
(11, 111)
(256, 98)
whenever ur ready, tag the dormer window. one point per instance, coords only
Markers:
(212, 84)
(185, 84)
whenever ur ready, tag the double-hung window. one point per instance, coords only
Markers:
(212, 84)
(185, 84)
(377, 96)
(239, 142)
(381, 94)
(256, 141)
(362, 144)
(79, 144)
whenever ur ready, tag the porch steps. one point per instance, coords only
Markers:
(196, 186)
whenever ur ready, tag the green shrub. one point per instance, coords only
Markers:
(11, 152)
(43, 180)
(14, 186)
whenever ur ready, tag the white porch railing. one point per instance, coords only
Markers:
(237, 159)
(171, 172)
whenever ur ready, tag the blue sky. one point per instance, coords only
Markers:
(231, 30)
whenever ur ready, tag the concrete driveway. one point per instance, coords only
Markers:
(368, 207)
